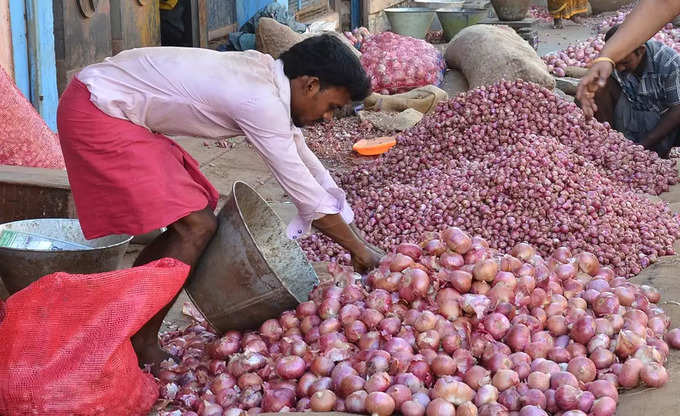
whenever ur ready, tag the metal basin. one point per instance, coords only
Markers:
(453, 21)
(250, 271)
(410, 21)
(511, 10)
(21, 267)
(441, 4)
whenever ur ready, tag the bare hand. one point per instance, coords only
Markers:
(593, 80)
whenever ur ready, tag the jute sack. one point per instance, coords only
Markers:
(423, 99)
(274, 38)
(487, 54)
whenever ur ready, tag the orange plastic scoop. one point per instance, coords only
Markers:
(377, 146)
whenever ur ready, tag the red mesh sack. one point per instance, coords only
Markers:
(66, 347)
(399, 64)
(25, 139)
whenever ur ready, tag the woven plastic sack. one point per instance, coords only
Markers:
(487, 54)
(399, 64)
(25, 139)
(66, 347)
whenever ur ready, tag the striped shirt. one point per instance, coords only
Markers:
(658, 88)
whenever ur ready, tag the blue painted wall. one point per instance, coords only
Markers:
(42, 64)
(22, 76)
(35, 69)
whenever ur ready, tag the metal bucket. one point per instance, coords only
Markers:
(511, 10)
(21, 267)
(441, 4)
(454, 21)
(250, 271)
(410, 21)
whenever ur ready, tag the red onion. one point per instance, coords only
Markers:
(602, 388)
(533, 397)
(532, 411)
(583, 368)
(485, 270)
(399, 393)
(518, 337)
(605, 304)
(493, 409)
(629, 376)
(460, 280)
(440, 407)
(322, 383)
(563, 378)
(654, 374)
(504, 379)
(486, 394)
(651, 293)
(350, 384)
(356, 402)
(566, 397)
(673, 338)
(583, 329)
(379, 404)
(451, 390)
(323, 401)
(412, 408)
(276, 399)
(510, 398)
(271, 330)
(604, 406)
(414, 284)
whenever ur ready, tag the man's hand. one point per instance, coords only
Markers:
(592, 81)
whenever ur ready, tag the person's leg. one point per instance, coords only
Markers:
(184, 240)
(557, 23)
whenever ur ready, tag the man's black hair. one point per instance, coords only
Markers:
(611, 32)
(330, 60)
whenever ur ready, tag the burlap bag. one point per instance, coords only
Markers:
(487, 54)
(274, 38)
(423, 99)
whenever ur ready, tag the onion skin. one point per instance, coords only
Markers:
(604, 406)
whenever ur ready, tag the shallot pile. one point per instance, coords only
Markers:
(399, 64)
(583, 52)
(447, 327)
(512, 162)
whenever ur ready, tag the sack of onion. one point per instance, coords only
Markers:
(65, 341)
(448, 326)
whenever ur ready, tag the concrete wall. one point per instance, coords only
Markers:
(5, 39)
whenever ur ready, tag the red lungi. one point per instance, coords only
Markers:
(125, 179)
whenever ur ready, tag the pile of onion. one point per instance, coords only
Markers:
(512, 163)
(448, 326)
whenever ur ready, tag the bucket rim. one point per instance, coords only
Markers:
(125, 238)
